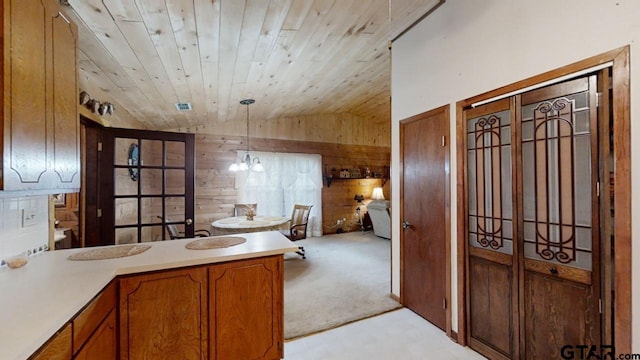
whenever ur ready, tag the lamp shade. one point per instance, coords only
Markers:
(258, 166)
(377, 194)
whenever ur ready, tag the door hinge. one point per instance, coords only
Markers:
(99, 213)
(598, 188)
(100, 146)
(598, 96)
(600, 305)
(444, 304)
(444, 141)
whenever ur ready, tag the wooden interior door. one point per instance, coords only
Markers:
(491, 269)
(559, 207)
(423, 239)
(91, 138)
(148, 183)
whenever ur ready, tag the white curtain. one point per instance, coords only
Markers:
(287, 179)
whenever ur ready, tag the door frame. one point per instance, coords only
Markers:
(622, 185)
(445, 111)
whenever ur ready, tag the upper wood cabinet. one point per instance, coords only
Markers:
(41, 148)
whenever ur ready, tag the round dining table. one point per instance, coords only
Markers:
(240, 224)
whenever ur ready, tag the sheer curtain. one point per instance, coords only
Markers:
(287, 179)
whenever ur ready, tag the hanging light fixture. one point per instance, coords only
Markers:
(247, 161)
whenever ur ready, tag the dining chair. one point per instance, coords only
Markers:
(172, 229)
(241, 209)
(298, 226)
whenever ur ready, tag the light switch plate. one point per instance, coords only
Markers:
(29, 217)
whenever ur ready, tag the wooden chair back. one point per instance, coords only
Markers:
(174, 233)
(241, 209)
(299, 221)
(172, 229)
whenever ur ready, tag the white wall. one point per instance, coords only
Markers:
(16, 236)
(468, 47)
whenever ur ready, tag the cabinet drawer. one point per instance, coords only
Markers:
(92, 315)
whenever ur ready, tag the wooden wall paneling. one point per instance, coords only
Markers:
(229, 34)
(183, 23)
(138, 37)
(125, 114)
(215, 185)
(208, 12)
(160, 31)
(341, 128)
(300, 57)
(98, 20)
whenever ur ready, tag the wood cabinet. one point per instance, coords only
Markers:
(103, 344)
(91, 334)
(246, 309)
(95, 327)
(57, 348)
(164, 315)
(40, 140)
(230, 310)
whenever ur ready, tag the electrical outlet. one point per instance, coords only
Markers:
(29, 217)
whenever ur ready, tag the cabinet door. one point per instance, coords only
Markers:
(164, 315)
(246, 309)
(25, 89)
(58, 347)
(93, 315)
(65, 141)
(40, 123)
(103, 344)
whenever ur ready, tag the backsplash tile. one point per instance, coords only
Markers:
(15, 237)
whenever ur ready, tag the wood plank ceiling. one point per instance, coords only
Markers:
(295, 57)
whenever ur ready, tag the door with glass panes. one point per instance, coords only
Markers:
(533, 273)
(149, 184)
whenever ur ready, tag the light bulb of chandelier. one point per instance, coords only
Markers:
(233, 167)
(243, 166)
(257, 167)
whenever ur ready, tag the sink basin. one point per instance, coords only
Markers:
(110, 252)
(215, 242)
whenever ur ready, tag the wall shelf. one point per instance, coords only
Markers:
(330, 179)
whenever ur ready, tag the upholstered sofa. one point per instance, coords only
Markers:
(380, 214)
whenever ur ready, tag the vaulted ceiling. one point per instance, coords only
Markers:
(295, 57)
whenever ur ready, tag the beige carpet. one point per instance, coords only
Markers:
(345, 278)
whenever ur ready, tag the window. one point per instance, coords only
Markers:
(288, 179)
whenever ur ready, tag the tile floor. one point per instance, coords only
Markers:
(399, 334)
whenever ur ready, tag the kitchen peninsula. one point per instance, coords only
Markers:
(225, 292)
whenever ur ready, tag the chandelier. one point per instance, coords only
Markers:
(247, 161)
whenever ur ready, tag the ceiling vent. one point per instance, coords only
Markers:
(183, 106)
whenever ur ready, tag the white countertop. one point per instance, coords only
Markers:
(39, 298)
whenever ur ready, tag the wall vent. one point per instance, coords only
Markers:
(183, 106)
